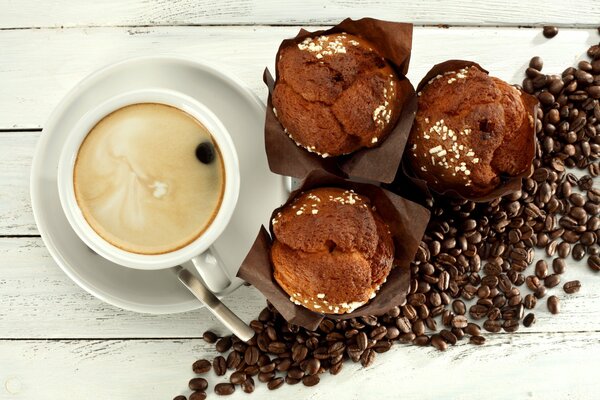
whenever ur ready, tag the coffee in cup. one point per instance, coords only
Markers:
(149, 178)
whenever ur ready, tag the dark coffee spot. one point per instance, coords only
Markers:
(205, 152)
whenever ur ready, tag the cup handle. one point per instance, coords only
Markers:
(211, 269)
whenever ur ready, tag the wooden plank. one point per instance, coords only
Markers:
(537, 366)
(16, 153)
(37, 300)
(40, 66)
(38, 13)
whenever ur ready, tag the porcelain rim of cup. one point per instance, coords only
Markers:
(115, 254)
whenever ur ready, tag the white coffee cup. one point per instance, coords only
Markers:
(199, 251)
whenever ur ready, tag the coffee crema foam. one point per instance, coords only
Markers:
(139, 184)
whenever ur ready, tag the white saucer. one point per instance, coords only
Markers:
(261, 191)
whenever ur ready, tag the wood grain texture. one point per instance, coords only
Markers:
(536, 366)
(57, 13)
(40, 66)
(39, 301)
(16, 154)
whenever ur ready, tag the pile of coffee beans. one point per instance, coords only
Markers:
(475, 269)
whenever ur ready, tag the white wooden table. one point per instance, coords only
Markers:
(58, 342)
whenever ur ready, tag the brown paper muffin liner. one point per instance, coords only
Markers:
(394, 42)
(510, 185)
(407, 222)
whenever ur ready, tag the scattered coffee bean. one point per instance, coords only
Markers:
(219, 365)
(477, 340)
(237, 378)
(201, 366)
(275, 383)
(529, 320)
(594, 262)
(198, 384)
(572, 287)
(554, 304)
(199, 395)
(180, 397)
(541, 269)
(552, 280)
(223, 344)
(210, 337)
(550, 31)
(248, 385)
(224, 389)
(310, 380)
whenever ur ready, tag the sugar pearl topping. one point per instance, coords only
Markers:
(322, 46)
(454, 157)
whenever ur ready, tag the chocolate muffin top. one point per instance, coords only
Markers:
(335, 94)
(331, 250)
(471, 133)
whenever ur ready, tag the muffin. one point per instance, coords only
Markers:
(471, 134)
(331, 250)
(335, 94)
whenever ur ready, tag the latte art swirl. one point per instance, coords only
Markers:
(138, 181)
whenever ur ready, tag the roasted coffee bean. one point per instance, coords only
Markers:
(311, 380)
(477, 340)
(268, 367)
(438, 342)
(199, 395)
(541, 269)
(559, 266)
(449, 336)
(275, 383)
(529, 320)
(552, 280)
(248, 385)
(367, 358)
(201, 366)
(553, 304)
(251, 355)
(403, 325)
(210, 337)
(459, 321)
(540, 292)
(265, 376)
(179, 398)
(223, 344)
(550, 31)
(563, 249)
(536, 63)
(511, 325)
(224, 389)
(277, 347)
(492, 326)
(312, 366)
(336, 368)
(578, 252)
(594, 262)
(299, 353)
(459, 308)
(198, 384)
(237, 378)
(219, 365)
(472, 329)
(240, 346)
(422, 340)
(572, 287)
(233, 360)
